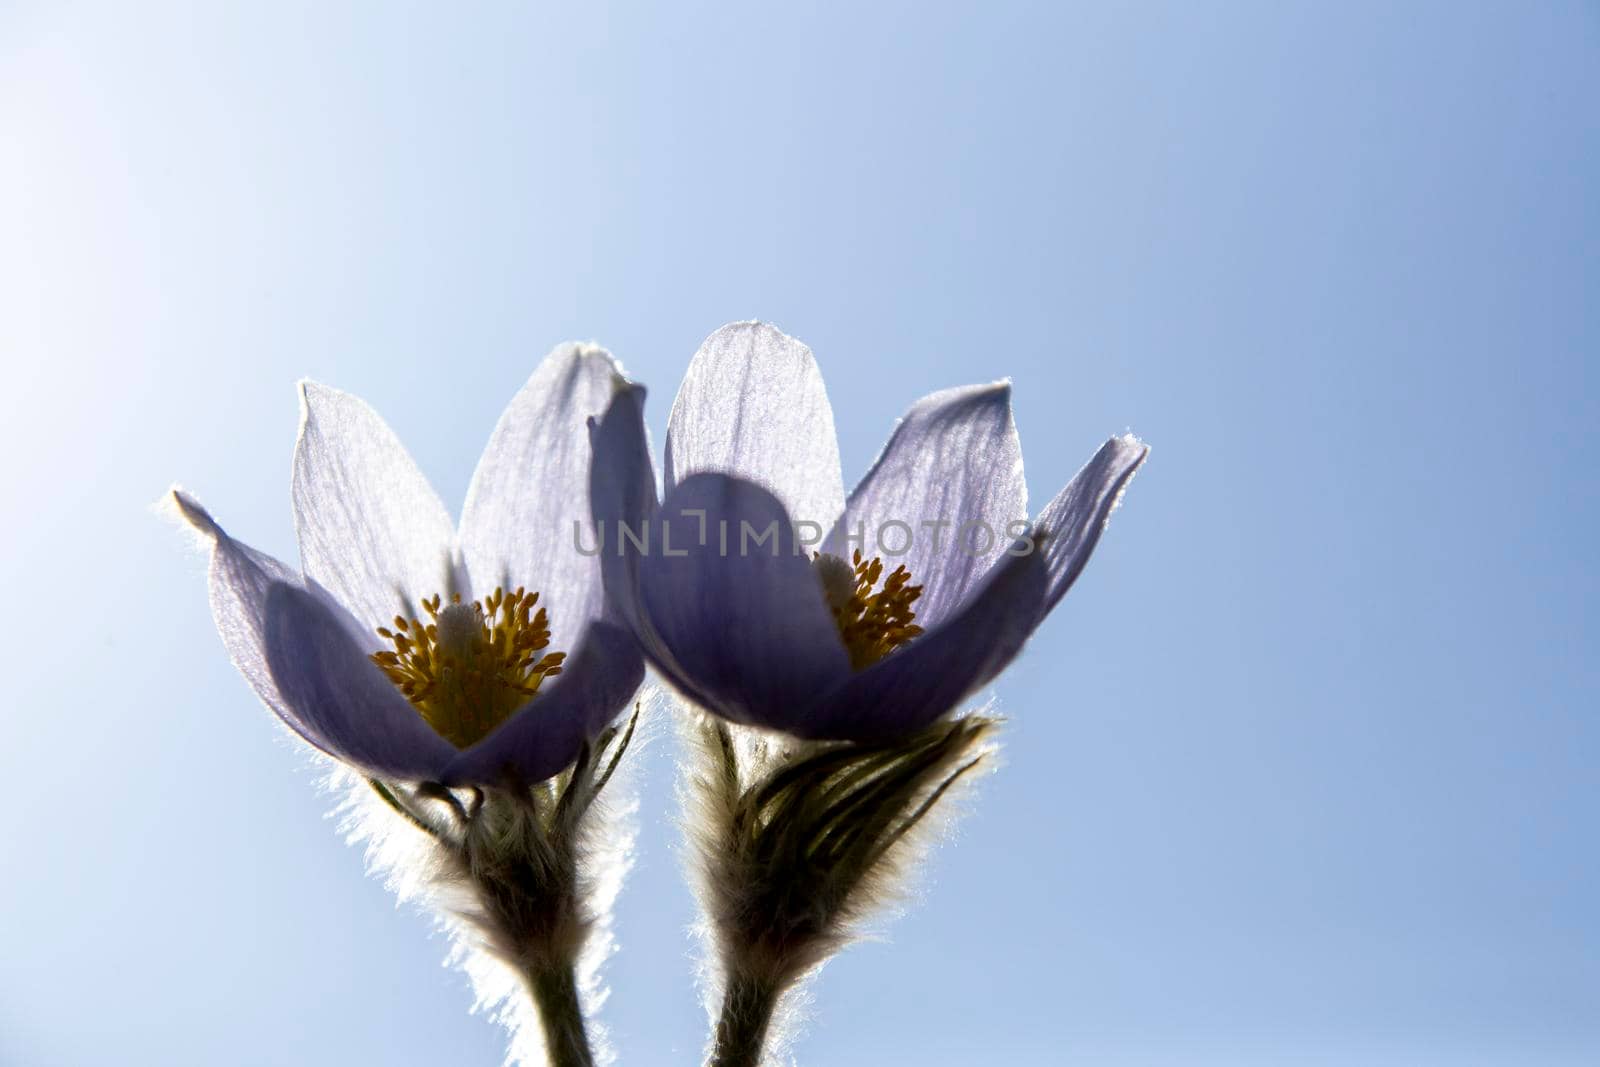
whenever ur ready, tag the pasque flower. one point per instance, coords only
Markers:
(467, 675)
(772, 600)
(849, 629)
(416, 651)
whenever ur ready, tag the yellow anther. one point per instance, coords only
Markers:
(473, 664)
(871, 625)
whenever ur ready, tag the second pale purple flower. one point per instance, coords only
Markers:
(765, 595)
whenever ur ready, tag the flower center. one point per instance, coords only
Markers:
(872, 625)
(472, 665)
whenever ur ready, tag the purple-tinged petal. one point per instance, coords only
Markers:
(752, 404)
(924, 679)
(239, 579)
(532, 486)
(327, 678)
(942, 496)
(1073, 521)
(544, 736)
(372, 531)
(737, 604)
(622, 496)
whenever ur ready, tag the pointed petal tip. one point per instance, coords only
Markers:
(1125, 454)
(310, 391)
(1000, 389)
(310, 394)
(178, 504)
(1131, 444)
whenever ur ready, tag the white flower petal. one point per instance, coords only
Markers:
(372, 531)
(532, 485)
(752, 404)
(951, 478)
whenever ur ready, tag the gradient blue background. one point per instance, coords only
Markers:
(1302, 772)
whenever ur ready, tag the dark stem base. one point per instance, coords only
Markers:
(555, 994)
(747, 1008)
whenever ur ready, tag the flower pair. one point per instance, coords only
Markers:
(470, 674)
(758, 631)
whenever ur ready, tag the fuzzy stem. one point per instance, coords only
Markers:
(555, 991)
(747, 1008)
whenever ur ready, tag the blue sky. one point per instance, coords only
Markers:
(1302, 771)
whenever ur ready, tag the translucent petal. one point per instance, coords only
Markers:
(752, 404)
(942, 496)
(239, 579)
(532, 486)
(1074, 520)
(371, 529)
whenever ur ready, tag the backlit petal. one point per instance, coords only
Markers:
(924, 679)
(372, 531)
(739, 609)
(752, 404)
(942, 496)
(326, 676)
(1074, 520)
(239, 579)
(543, 738)
(532, 486)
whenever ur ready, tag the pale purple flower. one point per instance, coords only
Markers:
(747, 629)
(376, 543)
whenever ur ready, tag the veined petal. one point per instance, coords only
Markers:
(752, 404)
(736, 604)
(544, 736)
(239, 579)
(372, 531)
(326, 676)
(532, 487)
(622, 498)
(944, 492)
(1073, 521)
(924, 679)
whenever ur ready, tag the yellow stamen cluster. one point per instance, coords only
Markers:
(872, 625)
(471, 665)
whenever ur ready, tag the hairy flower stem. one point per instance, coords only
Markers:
(518, 850)
(799, 841)
(555, 993)
(747, 1008)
